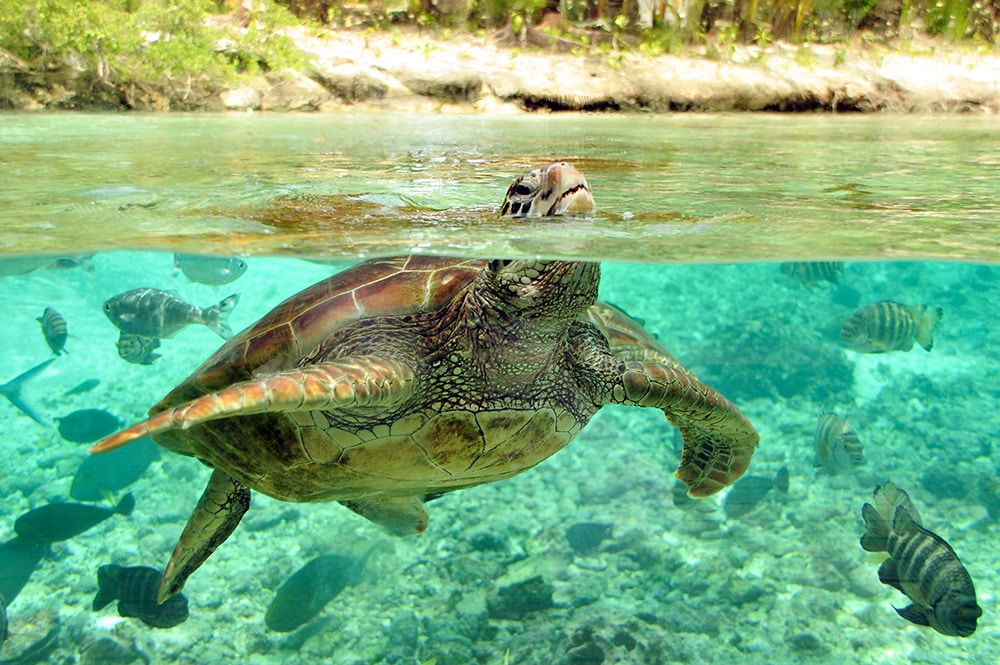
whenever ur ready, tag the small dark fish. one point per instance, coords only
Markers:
(156, 313)
(88, 425)
(82, 387)
(19, 558)
(137, 349)
(586, 537)
(54, 330)
(836, 445)
(102, 475)
(310, 588)
(12, 389)
(747, 492)
(921, 564)
(211, 270)
(888, 326)
(135, 589)
(809, 273)
(60, 521)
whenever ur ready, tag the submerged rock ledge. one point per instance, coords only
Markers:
(352, 71)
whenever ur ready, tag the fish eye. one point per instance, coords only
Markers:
(107, 307)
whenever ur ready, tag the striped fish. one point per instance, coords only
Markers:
(921, 565)
(811, 272)
(137, 349)
(54, 329)
(889, 326)
(135, 589)
(836, 445)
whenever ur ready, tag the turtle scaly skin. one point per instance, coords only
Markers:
(408, 377)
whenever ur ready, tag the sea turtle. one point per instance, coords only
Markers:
(403, 378)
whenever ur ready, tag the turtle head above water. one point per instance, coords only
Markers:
(549, 190)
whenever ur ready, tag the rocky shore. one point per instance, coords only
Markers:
(408, 71)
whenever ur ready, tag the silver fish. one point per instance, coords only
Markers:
(155, 313)
(138, 349)
(889, 326)
(921, 565)
(836, 445)
(212, 270)
(54, 330)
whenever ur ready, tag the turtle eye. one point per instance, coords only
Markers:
(496, 265)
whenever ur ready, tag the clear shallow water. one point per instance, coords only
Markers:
(785, 583)
(669, 188)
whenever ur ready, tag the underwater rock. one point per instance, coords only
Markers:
(32, 639)
(588, 653)
(806, 642)
(112, 650)
(944, 484)
(523, 590)
(404, 630)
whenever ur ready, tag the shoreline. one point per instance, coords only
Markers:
(351, 71)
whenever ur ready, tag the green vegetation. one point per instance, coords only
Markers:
(117, 45)
(176, 53)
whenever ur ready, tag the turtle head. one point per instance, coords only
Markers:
(546, 191)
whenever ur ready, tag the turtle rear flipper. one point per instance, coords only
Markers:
(216, 516)
(344, 383)
(401, 515)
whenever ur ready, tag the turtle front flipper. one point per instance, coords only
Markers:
(718, 439)
(344, 383)
(214, 519)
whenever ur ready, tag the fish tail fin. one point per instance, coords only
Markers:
(107, 586)
(876, 536)
(126, 505)
(216, 316)
(927, 318)
(12, 389)
(890, 498)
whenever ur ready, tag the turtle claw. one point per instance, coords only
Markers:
(216, 516)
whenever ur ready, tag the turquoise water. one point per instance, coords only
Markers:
(696, 214)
